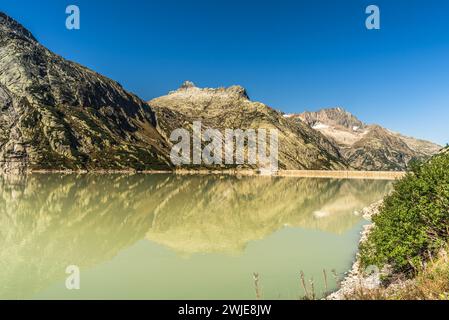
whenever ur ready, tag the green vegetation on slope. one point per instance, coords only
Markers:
(429, 283)
(413, 224)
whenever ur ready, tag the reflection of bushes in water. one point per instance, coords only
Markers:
(50, 221)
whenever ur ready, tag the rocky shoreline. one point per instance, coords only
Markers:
(357, 279)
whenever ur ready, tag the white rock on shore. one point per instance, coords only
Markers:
(369, 212)
(357, 279)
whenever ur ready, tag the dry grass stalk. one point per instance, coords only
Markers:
(312, 289)
(326, 286)
(257, 286)
(304, 286)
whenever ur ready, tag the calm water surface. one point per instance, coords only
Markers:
(177, 237)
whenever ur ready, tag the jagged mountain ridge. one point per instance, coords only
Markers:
(57, 114)
(369, 147)
(300, 147)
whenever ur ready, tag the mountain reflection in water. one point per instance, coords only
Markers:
(48, 222)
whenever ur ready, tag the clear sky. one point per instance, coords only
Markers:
(292, 55)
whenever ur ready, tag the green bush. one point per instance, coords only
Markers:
(413, 223)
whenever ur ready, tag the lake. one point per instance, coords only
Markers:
(177, 237)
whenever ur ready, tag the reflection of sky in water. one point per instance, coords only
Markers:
(167, 236)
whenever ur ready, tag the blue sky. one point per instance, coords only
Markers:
(291, 55)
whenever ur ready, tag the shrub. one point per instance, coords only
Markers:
(431, 283)
(413, 223)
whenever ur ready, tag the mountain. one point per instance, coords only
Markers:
(300, 146)
(367, 147)
(56, 114)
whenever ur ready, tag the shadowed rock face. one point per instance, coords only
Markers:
(48, 222)
(368, 147)
(57, 114)
(300, 147)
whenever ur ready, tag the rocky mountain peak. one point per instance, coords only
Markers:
(337, 117)
(300, 147)
(238, 90)
(10, 28)
(191, 90)
(187, 85)
(367, 147)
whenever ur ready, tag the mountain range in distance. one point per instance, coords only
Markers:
(368, 147)
(58, 115)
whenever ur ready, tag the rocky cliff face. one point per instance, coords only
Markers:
(368, 147)
(56, 114)
(300, 146)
